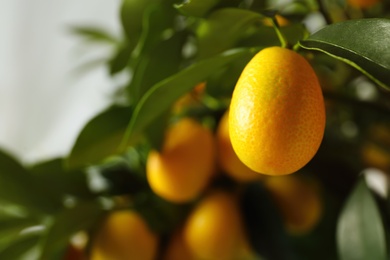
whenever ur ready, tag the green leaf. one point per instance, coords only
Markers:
(162, 95)
(360, 230)
(196, 7)
(362, 43)
(264, 224)
(121, 58)
(10, 228)
(150, 51)
(159, 63)
(19, 187)
(67, 223)
(222, 30)
(131, 14)
(22, 248)
(266, 35)
(60, 181)
(94, 34)
(100, 138)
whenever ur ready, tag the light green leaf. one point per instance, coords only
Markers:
(362, 43)
(67, 223)
(360, 230)
(162, 95)
(196, 7)
(100, 138)
(222, 29)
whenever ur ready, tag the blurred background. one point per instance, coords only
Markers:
(44, 98)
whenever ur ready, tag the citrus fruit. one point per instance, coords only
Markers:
(277, 113)
(190, 99)
(183, 168)
(280, 19)
(363, 3)
(214, 229)
(124, 235)
(298, 200)
(227, 158)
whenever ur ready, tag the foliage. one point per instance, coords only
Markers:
(167, 48)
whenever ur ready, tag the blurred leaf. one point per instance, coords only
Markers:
(67, 223)
(131, 14)
(121, 58)
(158, 63)
(360, 230)
(19, 187)
(150, 52)
(264, 224)
(100, 138)
(10, 228)
(223, 81)
(266, 36)
(162, 95)
(21, 248)
(222, 29)
(196, 7)
(62, 182)
(94, 34)
(155, 132)
(362, 43)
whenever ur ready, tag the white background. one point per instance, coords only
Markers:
(44, 102)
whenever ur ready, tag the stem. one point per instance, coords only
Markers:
(283, 41)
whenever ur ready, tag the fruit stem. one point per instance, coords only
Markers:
(283, 41)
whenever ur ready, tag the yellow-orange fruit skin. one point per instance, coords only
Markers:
(277, 113)
(363, 3)
(298, 200)
(214, 230)
(124, 235)
(183, 168)
(227, 158)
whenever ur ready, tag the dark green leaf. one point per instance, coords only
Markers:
(362, 43)
(222, 29)
(162, 95)
(157, 20)
(196, 7)
(264, 224)
(132, 12)
(61, 181)
(100, 138)
(94, 34)
(10, 228)
(121, 58)
(157, 64)
(21, 248)
(67, 223)
(19, 187)
(360, 230)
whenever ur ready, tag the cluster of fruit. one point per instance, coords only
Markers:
(287, 126)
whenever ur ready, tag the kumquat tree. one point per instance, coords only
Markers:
(245, 130)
